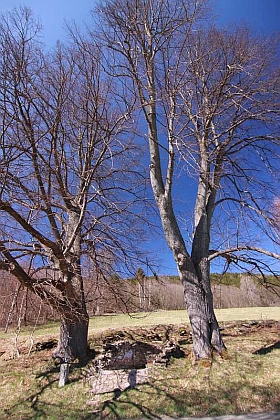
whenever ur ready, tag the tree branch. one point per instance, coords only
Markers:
(226, 252)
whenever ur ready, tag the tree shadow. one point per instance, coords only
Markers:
(130, 398)
(48, 378)
(265, 350)
(182, 402)
(136, 399)
(176, 399)
(34, 398)
(112, 407)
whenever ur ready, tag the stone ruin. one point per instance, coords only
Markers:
(124, 364)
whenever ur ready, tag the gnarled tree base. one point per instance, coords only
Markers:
(72, 341)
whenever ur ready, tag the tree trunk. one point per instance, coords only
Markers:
(205, 329)
(64, 374)
(73, 339)
(194, 273)
(209, 336)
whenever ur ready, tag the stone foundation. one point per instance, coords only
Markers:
(125, 364)
(118, 380)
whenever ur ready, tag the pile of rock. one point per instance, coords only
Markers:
(125, 364)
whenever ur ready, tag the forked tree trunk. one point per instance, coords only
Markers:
(206, 332)
(194, 273)
(205, 329)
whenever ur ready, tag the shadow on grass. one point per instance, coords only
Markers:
(229, 397)
(181, 390)
(128, 400)
(221, 402)
(33, 403)
(32, 400)
(266, 350)
(160, 397)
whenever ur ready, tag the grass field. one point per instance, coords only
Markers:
(180, 317)
(245, 381)
(101, 323)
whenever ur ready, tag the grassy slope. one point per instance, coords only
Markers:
(241, 383)
(175, 317)
(100, 323)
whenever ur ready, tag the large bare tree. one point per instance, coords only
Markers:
(65, 157)
(210, 101)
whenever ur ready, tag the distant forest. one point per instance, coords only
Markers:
(141, 293)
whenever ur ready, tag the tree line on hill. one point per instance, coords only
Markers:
(20, 307)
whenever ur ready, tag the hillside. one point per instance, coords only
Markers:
(142, 293)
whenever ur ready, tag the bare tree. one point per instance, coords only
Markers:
(276, 212)
(209, 100)
(66, 168)
(233, 112)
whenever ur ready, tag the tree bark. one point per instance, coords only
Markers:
(205, 329)
(73, 339)
(194, 273)
(209, 327)
(64, 374)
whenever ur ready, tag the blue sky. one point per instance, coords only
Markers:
(262, 15)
